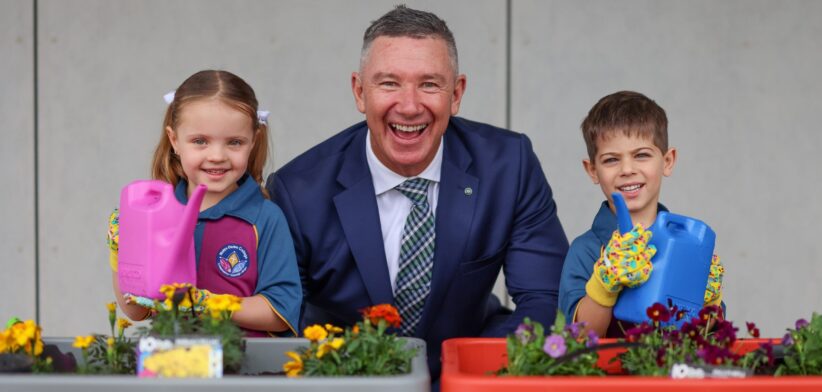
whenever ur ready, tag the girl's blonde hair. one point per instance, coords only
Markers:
(210, 84)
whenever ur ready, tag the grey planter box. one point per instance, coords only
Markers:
(262, 355)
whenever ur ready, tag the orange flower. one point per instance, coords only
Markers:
(385, 312)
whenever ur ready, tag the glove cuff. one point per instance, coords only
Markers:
(112, 260)
(716, 302)
(599, 294)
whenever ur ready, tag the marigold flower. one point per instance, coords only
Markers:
(83, 342)
(333, 329)
(385, 312)
(315, 333)
(355, 330)
(112, 307)
(122, 324)
(110, 341)
(295, 366)
(5, 341)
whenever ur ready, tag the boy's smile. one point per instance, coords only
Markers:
(633, 166)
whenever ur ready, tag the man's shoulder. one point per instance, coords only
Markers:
(328, 153)
(475, 132)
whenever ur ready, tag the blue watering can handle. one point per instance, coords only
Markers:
(622, 213)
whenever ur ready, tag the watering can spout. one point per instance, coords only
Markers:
(188, 220)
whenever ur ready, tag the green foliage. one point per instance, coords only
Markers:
(119, 358)
(803, 348)
(566, 351)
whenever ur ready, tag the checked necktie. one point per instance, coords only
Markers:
(413, 282)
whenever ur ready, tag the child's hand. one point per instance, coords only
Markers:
(713, 292)
(113, 238)
(624, 262)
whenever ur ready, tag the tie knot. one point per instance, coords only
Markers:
(415, 189)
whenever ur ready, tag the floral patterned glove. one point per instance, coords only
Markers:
(713, 292)
(113, 238)
(624, 262)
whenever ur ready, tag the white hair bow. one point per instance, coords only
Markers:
(262, 115)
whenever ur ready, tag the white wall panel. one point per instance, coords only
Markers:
(740, 83)
(106, 64)
(17, 281)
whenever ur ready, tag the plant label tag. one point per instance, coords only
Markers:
(184, 357)
(682, 370)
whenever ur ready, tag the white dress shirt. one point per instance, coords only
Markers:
(393, 206)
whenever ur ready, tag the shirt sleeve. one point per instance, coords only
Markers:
(278, 278)
(577, 269)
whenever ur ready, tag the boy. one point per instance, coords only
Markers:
(626, 135)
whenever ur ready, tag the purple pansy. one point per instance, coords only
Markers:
(554, 346)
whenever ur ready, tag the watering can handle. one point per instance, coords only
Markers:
(622, 213)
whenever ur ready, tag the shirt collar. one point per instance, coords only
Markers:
(243, 203)
(385, 179)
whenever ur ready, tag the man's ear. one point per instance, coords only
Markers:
(591, 170)
(356, 88)
(456, 98)
(669, 160)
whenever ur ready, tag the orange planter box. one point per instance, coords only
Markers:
(468, 362)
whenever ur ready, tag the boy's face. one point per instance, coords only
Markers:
(633, 166)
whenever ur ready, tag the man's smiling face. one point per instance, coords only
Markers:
(408, 90)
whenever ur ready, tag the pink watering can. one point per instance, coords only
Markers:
(156, 238)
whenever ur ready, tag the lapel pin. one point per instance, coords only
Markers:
(469, 191)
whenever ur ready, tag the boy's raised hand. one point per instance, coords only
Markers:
(713, 291)
(624, 262)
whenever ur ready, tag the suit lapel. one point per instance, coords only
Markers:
(455, 213)
(359, 216)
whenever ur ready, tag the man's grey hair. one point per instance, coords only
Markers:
(406, 22)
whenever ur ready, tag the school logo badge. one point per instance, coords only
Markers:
(232, 260)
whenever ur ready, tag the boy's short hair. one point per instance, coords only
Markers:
(628, 112)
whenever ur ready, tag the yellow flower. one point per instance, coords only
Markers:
(217, 304)
(112, 307)
(333, 329)
(83, 342)
(22, 333)
(355, 330)
(5, 341)
(315, 333)
(122, 324)
(327, 347)
(336, 343)
(170, 289)
(110, 341)
(294, 367)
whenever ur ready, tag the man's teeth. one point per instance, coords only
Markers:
(629, 188)
(409, 128)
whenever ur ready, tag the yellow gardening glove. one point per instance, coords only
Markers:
(624, 262)
(113, 239)
(713, 292)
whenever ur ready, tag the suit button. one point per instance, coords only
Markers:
(469, 191)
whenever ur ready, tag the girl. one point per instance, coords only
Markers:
(212, 135)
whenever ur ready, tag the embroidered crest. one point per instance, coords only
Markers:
(232, 260)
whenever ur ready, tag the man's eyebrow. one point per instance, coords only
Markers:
(382, 75)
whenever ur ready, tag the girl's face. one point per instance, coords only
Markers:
(214, 141)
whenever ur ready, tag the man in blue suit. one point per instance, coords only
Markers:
(418, 208)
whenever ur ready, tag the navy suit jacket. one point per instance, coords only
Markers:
(495, 210)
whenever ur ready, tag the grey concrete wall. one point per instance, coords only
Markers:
(738, 79)
(17, 201)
